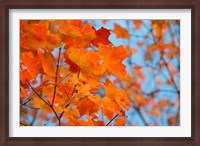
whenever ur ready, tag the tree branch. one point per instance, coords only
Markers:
(45, 102)
(112, 119)
(74, 89)
(75, 85)
(37, 94)
(55, 87)
(140, 114)
(23, 104)
(171, 77)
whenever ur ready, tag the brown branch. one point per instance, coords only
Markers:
(150, 31)
(23, 104)
(37, 93)
(64, 111)
(64, 78)
(45, 102)
(175, 41)
(32, 107)
(74, 89)
(159, 90)
(174, 38)
(136, 108)
(34, 118)
(67, 94)
(171, 77)
(55, 87)
(140, 114)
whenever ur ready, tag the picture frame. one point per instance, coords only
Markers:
(103, 4)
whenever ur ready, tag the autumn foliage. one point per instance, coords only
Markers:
(73, 73)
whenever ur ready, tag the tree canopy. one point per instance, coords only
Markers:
(99, 72)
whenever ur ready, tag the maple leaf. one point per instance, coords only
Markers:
(48, 63)
(37, 35)
(139, 99)
(88, 33)
(75, 23)
(112, 58)
(72, 115)
(117, 95)
(24, 77)
(102, 37)
(23, 92)
(90, 122)
(110, 107)
(77, 37)
(87, 61)
(72, 66)
(87, 106)
(32, 62)
(83, 92)
(120, 32)
(137, 24)
(120, 121)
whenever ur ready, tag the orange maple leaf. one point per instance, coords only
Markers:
(120, 32)
(120, 121)
(112, 58)
(137, 24)
(48, 63)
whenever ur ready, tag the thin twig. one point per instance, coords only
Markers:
(159, 90)
(64, 78)
(112, 119)
(175, 41)
(34, 118)
(32, 107)
(136, 108)
(64, 111)
(37, 93)
(45, 102)
(171, 77)
(74, 89)
(55, 87)
(75, 85)
(23, 104)
(141, 115)
(174, 38)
